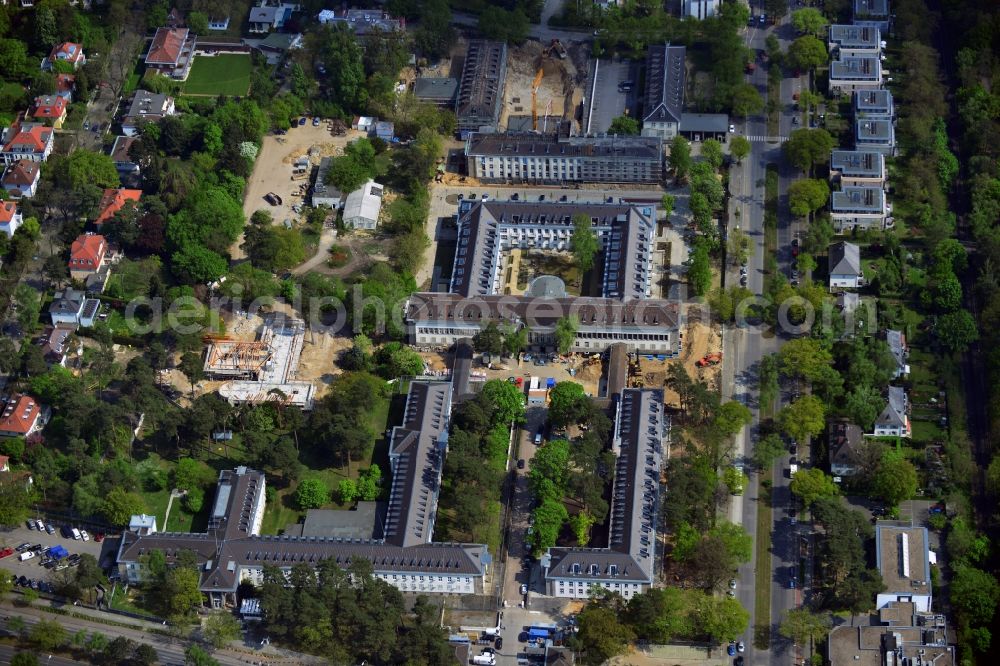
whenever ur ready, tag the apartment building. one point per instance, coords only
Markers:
(872, 13)
(663, 101)
(554, 159)
(859, 207)
(480, 88)
(903, 557)
(901, 634)
(873, 105)
(626, 566)
(855, 40)
(851, 73)
(857, 168)
(874, 134)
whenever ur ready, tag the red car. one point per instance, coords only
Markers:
(6, 552)
(99, 537)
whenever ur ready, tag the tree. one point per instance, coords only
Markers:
(667, 203)
(700, 270)
(565, 333)
(192, 368)
(145, 655)
(221, 627)
(568, 404)
(812, 485)
(583, 243)
(739, 147)
(407, 251)
(711, 150)
(488, 339)
(803, 418)
(806, 358)
(24, 659)
(895, 479)
(624, 125)
(347, 491)
(804, 626)
(809, 21)
(550, 516)
(680, 158)
(515, 339)
(506, 399)
(29, 307)
(311, 494)
(721, 618)
(808, 147)
(731, 417)
(738, 246)
(48, 634)
(807, 52)
(601, 635)
(808, 195)
(435, 35)
(766, 450)
(974, 595)
(119, 506)
(180, 592)
(747, 100)
(956, 330)
(195, 655)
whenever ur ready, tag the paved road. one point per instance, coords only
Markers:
(541, 32)
(7, 652)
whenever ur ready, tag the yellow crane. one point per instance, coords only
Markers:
(534, 97)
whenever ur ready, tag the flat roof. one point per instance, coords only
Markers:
(873, 101)
(871, 9)
(858, 163)
(873, 130)
(436, 88)
(855, 36)
(901, 554)
(858, 199)
(704, 122)
(856, 68)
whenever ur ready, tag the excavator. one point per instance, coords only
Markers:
(560, 51)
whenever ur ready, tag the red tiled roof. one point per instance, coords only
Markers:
(49, 106)
(4, 460)
(166, 46)
(20, 414)
(7, 211)
(22, 173)
(68, 51)
(35, 137)
(65, 82)
(87, 252)
(112, 202)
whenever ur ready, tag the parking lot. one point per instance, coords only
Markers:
(604, 98)
(104, 551)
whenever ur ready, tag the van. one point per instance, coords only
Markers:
(538, 438)
(792, 469)
(26, 555)
(76, 534)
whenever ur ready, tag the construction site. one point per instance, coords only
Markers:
(264, 369)
(544, 86)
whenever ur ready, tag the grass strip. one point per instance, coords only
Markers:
(762, 570)
(773, 100)
(770, 226)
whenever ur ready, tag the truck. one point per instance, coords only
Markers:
(792, 469)
(26, 555)
(534, 384)
(485, 659)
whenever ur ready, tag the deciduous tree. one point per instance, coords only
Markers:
(813, 484)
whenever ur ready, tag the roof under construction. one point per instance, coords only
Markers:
(228, 358)
(480, 90)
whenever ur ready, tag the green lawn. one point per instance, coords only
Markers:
(762, 570)
(227, 74)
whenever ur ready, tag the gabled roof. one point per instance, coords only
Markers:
(845, 440)
(845, 259)
(665, 76)
(87, 250)
(894, 413)
(49, 106)
(112, 202)
(22, 173)
(65, 83)
(20, 414)
(166, 46)
(68, 51)
(8, 210)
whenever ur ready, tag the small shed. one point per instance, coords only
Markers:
(385, 130)
(363, 205)
(363, 124)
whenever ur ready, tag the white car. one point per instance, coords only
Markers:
(84, 535)
(39, 525)
(732, 129)
(524, 589)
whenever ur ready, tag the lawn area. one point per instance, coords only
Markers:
(227, 74)
(156, 505)
(762, 571)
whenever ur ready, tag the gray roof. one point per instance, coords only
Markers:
(364, 202)
(146, 104)
(627, 255)
(119, 151)
(665, 76)
(617, 368)
(436, 89)
(323, 190)
(717, 123)
(871, 9)
(264, 14)
(360, 522)
(416, 453)
(480, 90)
(856, 68)
(514, 144)
(546, 286)
(845, 259)
(279, 41)
(894, 414)
(858, 199)
(858, 163)
(595, 314)
(855, 36)
(461, 371)
(845, 440)
(909, 575)
(872, 131)
(68, 302)
(873, 102)
(897, 345)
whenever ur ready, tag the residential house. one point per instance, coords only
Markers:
(265, 18)
(857, 207)
(10, 218)
(894, 421)
(900, 351)
(112, 201)
(855, 40)
(845, 266)
(124, 162)
(875, 135)
(872, 13)
(20, 179)
(171, 53)
(857, 168)
(218, 23)
(27, 141)
(901, 635)
(385, 130)
(480, 88)
(845, 440)
(146, 107)
(363, 205)
(851, 73)
(87, 255)
(68, 52)
(66, 86)
(436, 90)
(664, 94)
(324, 194)
(700, 9)
(277, 44)
(22, 415)
(874, 105)
(362, 21)
(72, 308)
(702, 126)
(55, 344)
(903, 557)
(50, 109)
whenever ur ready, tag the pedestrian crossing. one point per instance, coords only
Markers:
(757, 138)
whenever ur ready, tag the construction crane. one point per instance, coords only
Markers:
(534, 95)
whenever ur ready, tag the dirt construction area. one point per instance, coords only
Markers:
(559, 91)
(699, 341)
(273, 170)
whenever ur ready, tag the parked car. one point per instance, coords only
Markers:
(76, 534)
(24, 546)
(315, 122)
(39, 525)
(66, 531)
(302, 121)
(84, 535)
(499, 643)
(520, 463)
(50, 528)
(6, 552)
(31, 524)
(731, 650)
(524, 589)
(99, 537)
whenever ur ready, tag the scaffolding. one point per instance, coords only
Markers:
(227, 358)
